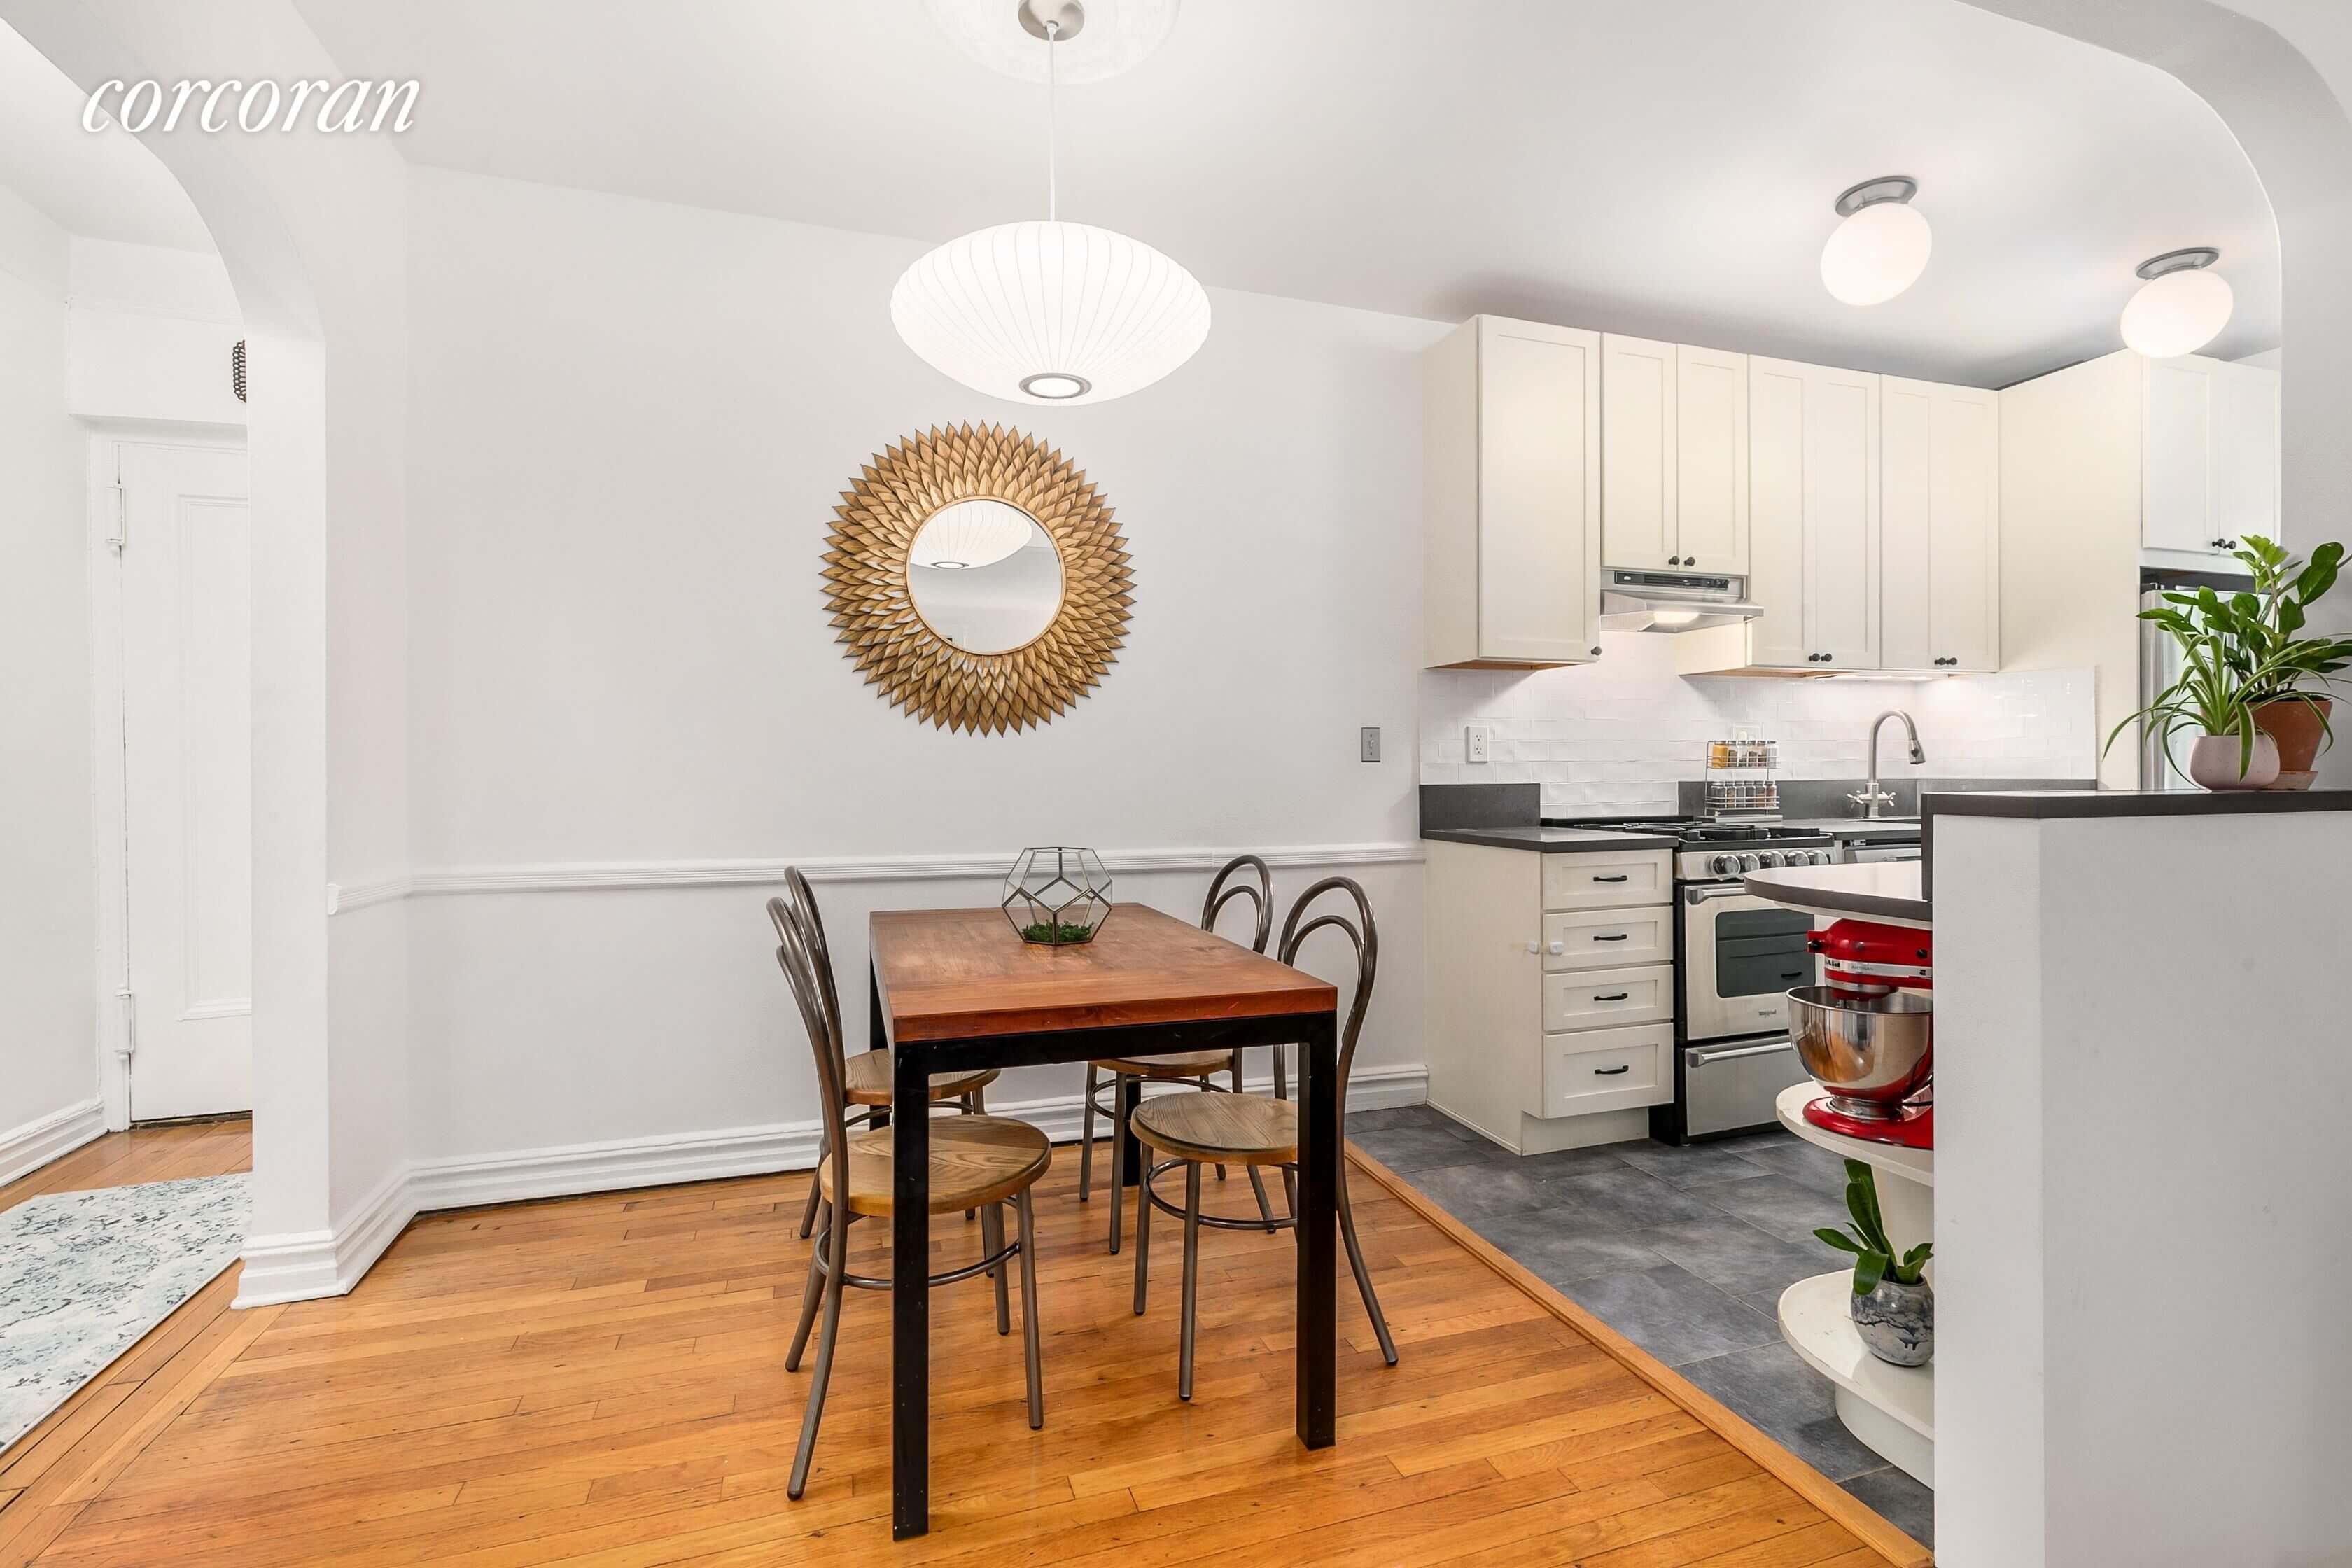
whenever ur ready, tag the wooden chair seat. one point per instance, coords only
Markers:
(866, 1080)
(1234, 1129)
(1176, 1064)
(975, 1160)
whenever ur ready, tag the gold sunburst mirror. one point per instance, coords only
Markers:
(976, 578)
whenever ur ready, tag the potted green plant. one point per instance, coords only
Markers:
(1893, 1306)
(2290, 700)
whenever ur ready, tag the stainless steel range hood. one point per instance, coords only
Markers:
(1673, 601)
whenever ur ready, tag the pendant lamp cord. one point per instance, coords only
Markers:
(1053, 33)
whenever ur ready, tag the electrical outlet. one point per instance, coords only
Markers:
(1368, 743)
(1478, 744)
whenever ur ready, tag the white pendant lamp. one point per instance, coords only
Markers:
(1881, 248)
(1049, 311)
(971, 533)
(2181, 307)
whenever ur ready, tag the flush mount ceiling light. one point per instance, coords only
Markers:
(2181, 307)
(978, 532)
(1050, 312)
(1098, 39)
(1881, 248)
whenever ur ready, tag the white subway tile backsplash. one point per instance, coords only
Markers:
(1618, 735)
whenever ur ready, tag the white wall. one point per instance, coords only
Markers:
(49, 1060)
(1617, 736)
(151, 334)
(629, 424)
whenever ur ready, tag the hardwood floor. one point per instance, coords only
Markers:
(599, 1380)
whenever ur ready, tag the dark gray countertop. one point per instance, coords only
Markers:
(1881, 889)
(1548, 840)
(1855, 827)
(2135, 802)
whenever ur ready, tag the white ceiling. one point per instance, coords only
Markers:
(104, 185)
(1665, 168)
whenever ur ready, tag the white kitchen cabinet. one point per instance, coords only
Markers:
(1511, 423)
(2208, 454)
(1541, 1049)
(1674, 476)
(1939, 490)
(1812, 526)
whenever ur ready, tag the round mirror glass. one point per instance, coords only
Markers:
(984, 576)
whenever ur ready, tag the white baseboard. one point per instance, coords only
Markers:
(24, 1150)
(313, 1264)
(307, 1265)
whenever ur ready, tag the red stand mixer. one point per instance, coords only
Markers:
(1867, 1033)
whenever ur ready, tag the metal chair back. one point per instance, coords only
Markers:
(1363, 932)
(1249, 877)
(796, 957)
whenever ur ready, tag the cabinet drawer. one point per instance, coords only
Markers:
(1604, 881)
(1607, 1069)
(1597, 998)
(1609, 939)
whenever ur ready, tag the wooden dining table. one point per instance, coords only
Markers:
(953, 990)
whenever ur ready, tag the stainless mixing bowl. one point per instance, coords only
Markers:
(1871, 1053)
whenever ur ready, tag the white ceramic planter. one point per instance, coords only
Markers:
(2213, 763)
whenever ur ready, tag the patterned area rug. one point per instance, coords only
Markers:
(84, 1275)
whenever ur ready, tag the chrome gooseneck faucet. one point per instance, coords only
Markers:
(1871, 797)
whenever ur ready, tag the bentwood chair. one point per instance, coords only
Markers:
(976, 1161)
(1252, 1130)
(866, 1076)
(1249, 878)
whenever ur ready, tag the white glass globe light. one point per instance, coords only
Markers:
(1115, 35)
(1876, 253)
(1043, 312)
(970, 534)
(2176, 313)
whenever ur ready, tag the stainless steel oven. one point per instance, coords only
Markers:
(1736, 957)
(1742, 954)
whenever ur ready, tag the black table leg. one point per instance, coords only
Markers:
(1131, 1153)
(911, 1293)
(877, 1036)
(1318, 1199)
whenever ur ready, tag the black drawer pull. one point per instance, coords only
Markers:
(1792, 974)
(1614, 996)
(1620, 936)
(1611, 878)
(1613, 1072)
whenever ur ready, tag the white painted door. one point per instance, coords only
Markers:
(1906, 484)
(2245, 452)
(1939, 481)
(1638, 466)
(1841, 516)
(187, 778)
(1776, 496)
(1710, 453)
(1539, 491)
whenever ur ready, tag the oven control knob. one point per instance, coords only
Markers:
(1821, 856)
(1749, 863)
(1725, 865)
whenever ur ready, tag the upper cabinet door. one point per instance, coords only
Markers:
(1906, 488)
(1841, 516)
(1638, 470)
(2245, 452)
(1964, 545)
(2176, 456)
(1939, 483)
(1775, 492)
(1710, 453)
(1539, 491)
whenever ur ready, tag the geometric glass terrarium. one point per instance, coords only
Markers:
(1058, 896)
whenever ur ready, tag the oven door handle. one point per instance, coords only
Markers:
(1703, 891)
(1706, 1056)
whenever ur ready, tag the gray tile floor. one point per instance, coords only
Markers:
(1684, 1251)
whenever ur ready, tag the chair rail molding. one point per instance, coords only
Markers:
(343, 897)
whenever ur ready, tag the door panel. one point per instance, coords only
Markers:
(1841, 516)
(1637, 444)
(2245, 451)
(1776, 492)
(2176, 458)
(1711, 458)
(1907, 441)
(1539, 491)
(187, 778)
(1964, 556)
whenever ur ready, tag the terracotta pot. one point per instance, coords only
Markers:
(2213, 763)
(2296, 727)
